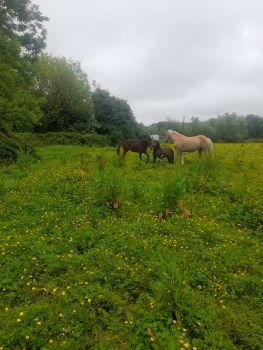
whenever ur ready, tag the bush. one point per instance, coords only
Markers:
(8, 149)
(72, 138)
(11, 145)
(26, 144)
(28, 138)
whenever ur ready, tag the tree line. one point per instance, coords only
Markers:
(42, 93)
(225, 128)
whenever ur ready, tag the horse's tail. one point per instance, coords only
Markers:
(118, 149)
(210, 146)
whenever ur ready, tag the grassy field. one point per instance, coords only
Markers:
(97, 253)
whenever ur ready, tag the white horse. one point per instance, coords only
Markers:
(183, 143)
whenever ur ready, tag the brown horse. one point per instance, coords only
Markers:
(139, 146)
(159, 152)
(183, 143)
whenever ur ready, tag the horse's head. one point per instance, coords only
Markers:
(154, 144)
(149, 142)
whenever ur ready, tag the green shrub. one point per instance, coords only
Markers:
(9, 149)
(26, 145)
(28, 138)
(73, 138)
(12, 145)
(173, 190)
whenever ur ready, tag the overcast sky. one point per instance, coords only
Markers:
(167, 58)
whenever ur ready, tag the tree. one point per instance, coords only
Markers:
(21, 20)
(254, 126)
(65, 92)
(22, 37)
(114, 116)
(19, 109)
(195, 125)
(231, 128)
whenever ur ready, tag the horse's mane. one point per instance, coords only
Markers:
(173, 132)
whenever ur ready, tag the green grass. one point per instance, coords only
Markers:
(89, 260)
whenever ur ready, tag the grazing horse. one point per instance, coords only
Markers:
(183, 143)
(159, 152)
(139, 146)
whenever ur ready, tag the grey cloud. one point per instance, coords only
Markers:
(167, 58)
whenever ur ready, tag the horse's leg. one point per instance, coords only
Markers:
(180, 156)
(147, 157)
(140, 155)
(124, 154)
(200, 152)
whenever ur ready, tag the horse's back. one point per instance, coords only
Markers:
(135, 145)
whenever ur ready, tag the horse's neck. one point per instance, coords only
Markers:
(177, 133)
(175, 137)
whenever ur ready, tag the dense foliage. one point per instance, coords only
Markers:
(12, 146)
(114, 115)
(66, 96)
(88, 262)
(22, 37)
(22, 21)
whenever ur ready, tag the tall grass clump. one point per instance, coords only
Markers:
(169, 194)
(204, 175)
(107, 188)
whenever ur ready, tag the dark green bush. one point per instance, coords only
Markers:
(28, 138)
(11, 145)
(73, 138)
(9, 149)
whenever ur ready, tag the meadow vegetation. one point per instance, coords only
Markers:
(99, 253)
